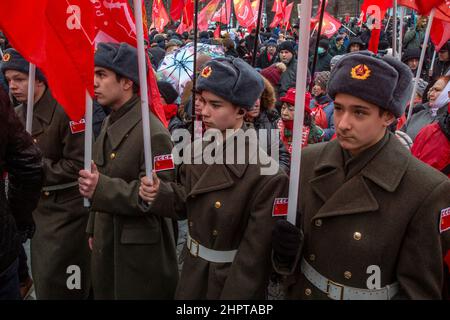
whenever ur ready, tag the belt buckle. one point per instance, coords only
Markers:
(340, 286)
(197, 247)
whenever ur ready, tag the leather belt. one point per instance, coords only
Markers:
(337, 291)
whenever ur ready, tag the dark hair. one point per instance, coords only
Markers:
(135, 86)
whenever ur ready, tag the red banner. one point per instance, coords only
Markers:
(223, 14)
(206, 14)
(245, 14)
(176, 9)
(160, 18)
(58, 38)
(440, 33)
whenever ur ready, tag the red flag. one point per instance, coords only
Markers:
(244, 13)
(440, 33)
(176, 9)
(376, 9)
(276, 6)
(115, 23)
(319, 8)
(330, 25)
(217, 32)
(187, 19)
(424, 6)
(160, 18)
(57, 37)
(206, 14)
(223, 14)
(287, 14)
(408, 3)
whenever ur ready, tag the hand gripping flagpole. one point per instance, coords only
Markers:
(419, 68)
(143, 86)
(88, 139)
(30, 101)
(299, 114)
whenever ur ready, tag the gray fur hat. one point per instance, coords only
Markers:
(232, 79)
(120, 58)
(385, 82)
(13, 60)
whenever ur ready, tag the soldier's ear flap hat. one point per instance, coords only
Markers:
(232, 79)
(120, 58)
(13, 60)
(385, 82)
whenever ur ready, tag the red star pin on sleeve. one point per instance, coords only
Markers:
(280, 207)
(163, 162)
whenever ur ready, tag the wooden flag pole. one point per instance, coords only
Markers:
(302, 73)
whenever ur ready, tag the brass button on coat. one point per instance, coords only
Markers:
(318, 223)
(215, 233)
(191, 224)
(35, 140)
(112, 156)
(308, 291)
(357, 236)
(347, 275)
(312, 257)
(217, 205)
(46, 193)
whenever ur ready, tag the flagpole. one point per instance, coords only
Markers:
(258, 27)
(319, 31)
(387, 24)
(419, 68)
(88, 139)
(400, 40)
(302, 72)
(197, 127)
(30, 101)
(349, 29)
(1, 53)
(394, 30)
(432, 63)
(143, 88)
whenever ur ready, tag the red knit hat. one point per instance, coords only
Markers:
(290, 98)
(273, 74)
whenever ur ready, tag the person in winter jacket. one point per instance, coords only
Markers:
(432, 144)
(442, 64)
(243, 51)
(438, 97)
(21, 160)
(413, 38)
(337, 46)
(323, 57)
(229, 48)
(289, 77)
(268, 56)
(265, 116)
(356, 44)
(322, 105)
(311, 132)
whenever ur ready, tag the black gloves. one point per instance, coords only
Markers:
(287, 239)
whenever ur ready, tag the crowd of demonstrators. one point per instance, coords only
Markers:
(354, 122)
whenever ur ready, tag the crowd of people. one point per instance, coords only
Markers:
(373, 190)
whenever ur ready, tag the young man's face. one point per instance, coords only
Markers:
(18, 85)
(413, 63)
(218, 113)
(286, 56)
(254, 113)
(443, 55)
(271, 50)
(355, 47)
(108, 90)
(358, 123)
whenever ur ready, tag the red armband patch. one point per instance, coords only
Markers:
(163, 162)
(444, 223)
(77, 127)
(280, 207)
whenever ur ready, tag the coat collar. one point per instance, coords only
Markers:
(43, 112)
(117, 131)
(208, 178)
(354, 196)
